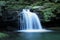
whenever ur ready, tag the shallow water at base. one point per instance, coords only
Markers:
(41, 30)
(34, 36)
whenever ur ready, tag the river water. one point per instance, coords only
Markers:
(34, 36)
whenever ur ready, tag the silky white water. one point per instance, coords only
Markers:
(29, 22)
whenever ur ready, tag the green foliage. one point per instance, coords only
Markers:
(3, 35)
(49, 6)
(48, 14)
(2, 3)
(36, 4)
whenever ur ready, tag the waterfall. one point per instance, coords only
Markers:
(29, 22)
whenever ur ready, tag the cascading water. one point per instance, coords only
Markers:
(29, 22)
